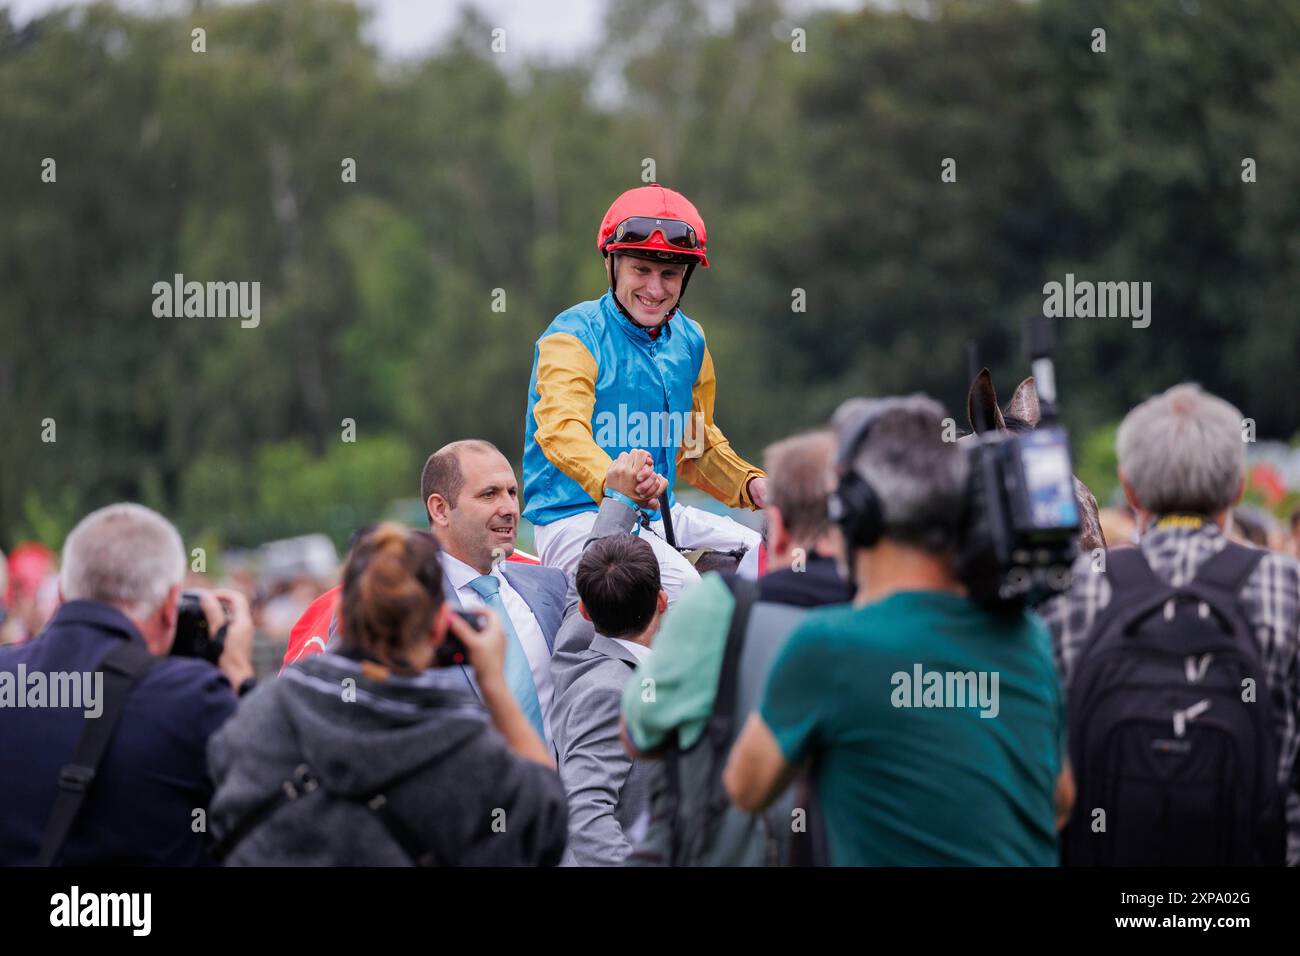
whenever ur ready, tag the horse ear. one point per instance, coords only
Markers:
(1024, 403)
(982, 396)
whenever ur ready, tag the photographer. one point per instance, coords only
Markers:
(907, 771)
(380, 754)
(109, 642)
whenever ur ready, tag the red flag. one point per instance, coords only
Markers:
(1266, 479)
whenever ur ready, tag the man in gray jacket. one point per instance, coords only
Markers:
(611, 614)
(609, 792)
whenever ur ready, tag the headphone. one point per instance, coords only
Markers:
(854, 504)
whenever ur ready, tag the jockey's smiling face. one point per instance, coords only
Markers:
(480, 525)
(647, 289)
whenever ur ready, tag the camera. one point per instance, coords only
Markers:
(1020, 533)
(192, 636)
(451, 652)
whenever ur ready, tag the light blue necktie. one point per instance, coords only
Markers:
(519, 676)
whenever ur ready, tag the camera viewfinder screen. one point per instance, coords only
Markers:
(1048, 479)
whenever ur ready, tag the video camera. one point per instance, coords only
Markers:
(1020, 534)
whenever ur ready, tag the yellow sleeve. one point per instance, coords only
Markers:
(566, 397)
(707, 459)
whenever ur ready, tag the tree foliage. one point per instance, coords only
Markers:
(817, 171)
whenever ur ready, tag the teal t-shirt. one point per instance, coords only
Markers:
(888, 700)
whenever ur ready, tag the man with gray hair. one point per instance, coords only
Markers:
(893, 702)
(142, 802)
(1182, 465)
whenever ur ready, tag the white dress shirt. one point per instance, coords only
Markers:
(530, 634)
(639, 651)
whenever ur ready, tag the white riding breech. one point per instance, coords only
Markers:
(559, 544)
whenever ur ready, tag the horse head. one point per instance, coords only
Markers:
(1021, 415)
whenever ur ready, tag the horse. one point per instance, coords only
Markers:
(1023, 414)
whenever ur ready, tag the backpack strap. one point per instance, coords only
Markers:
(1127, 571)
(403, 834)
(721, 717)
(122, 667)
(419, 852)
(300, 784)
(718, 727)
(1134, 590)
(1230, 568)
(1218, 583)
(673, 784)
(303, 782)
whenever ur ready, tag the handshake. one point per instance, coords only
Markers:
(632, 474)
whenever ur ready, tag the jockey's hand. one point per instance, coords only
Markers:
(622, 473)
(758, 492)
(632, 473)
(651, 487)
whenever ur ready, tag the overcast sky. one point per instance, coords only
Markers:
(557, 30)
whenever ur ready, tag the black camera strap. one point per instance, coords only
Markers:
(122, 667)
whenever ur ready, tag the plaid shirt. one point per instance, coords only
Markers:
(1270, 600)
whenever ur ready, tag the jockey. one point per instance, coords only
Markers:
(631, 370)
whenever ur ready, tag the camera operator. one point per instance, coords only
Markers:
(83, 785)
(379, 754)
(907, 770)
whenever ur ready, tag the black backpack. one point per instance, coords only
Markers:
(693, 798)
(1174, 766)
(692, 820)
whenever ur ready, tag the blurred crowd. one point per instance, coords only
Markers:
(451, 702)
(280, 580)
(280, 594)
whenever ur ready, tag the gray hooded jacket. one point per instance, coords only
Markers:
(424, 744)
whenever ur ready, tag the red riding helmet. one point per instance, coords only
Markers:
(655, 222)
